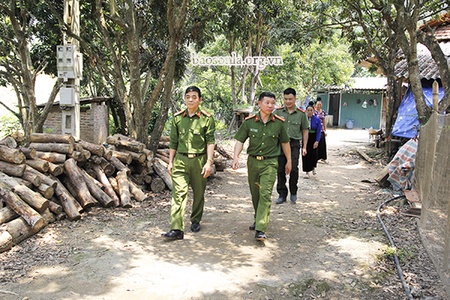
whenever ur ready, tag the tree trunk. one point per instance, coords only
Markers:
(124, 189)
(69, 204)
(14, 156)
(9, 141)
(7, 214)
(12, 169)
(6, 241)
(33, 198)
(20, 230)
(33, 218)
(75, 182)
(53, 157)
(53, 147)
(96, 191)
(157, 185)
(93, 148)
(122, 156)
(118, 165)
(101, 176)
(162, 172)
(45, 190)
(163, 112)
(51, 138)
(38, 164)
(138, 194)
(28, 152)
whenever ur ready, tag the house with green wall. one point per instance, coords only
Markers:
(359, 104)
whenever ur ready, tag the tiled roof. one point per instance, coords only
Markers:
(427, 66)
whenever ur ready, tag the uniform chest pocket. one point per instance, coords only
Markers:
(198, 137)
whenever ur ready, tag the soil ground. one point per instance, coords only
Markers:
(329, 245)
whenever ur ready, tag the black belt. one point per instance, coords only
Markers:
(260, 157)
(192, 155)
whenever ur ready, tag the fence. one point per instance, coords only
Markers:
(432, 180)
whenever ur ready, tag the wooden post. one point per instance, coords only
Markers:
(435, 96)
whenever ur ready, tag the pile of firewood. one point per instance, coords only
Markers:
(55, 177)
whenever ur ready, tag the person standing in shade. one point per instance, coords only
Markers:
(190, 160)
(267, 136)
(309, 161)
(297, 127)
(321, 114)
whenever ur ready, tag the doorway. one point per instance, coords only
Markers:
(333, 108)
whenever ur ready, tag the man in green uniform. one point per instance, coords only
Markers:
(297, 127)
(266, 132)
(190, 160)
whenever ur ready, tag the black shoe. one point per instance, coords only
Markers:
(195, 227)
(252, 227)
(260, 236)
(280, 200)
(174, 235)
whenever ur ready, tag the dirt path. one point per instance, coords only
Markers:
(326, 246)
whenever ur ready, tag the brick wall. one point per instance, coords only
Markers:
(93, 122)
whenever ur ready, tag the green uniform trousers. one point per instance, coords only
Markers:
(187, 171)
(261, 179)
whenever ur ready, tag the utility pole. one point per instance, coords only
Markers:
(70, 64)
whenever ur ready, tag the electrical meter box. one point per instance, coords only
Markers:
(67, 96)
(68, 62)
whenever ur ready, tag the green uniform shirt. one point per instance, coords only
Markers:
(265, 139)
(192, 134)
(296, 122)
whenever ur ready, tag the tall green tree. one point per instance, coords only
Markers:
(24, 54)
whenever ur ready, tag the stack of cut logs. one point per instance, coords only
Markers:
(56, 177)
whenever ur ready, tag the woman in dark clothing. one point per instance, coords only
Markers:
(321, 114)
(309, 161)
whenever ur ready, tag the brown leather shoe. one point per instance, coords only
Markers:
(174, 235)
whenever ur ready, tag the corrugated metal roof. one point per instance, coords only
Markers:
(427, 66)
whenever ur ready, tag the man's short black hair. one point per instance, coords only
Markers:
(193, 88)
(289, 91)
(266, 94)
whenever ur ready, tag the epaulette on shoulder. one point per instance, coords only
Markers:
(279, 118)
(178, 113)
(300, 109)
(206, 113)
(250, 117)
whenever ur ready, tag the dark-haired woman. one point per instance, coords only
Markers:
(321, 114)
(309, 161)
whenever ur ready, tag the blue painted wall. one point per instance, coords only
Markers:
(351, 108)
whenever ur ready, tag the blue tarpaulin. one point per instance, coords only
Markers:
(407, 125)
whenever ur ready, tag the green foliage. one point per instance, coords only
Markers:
(9, 124)
(403, 254)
